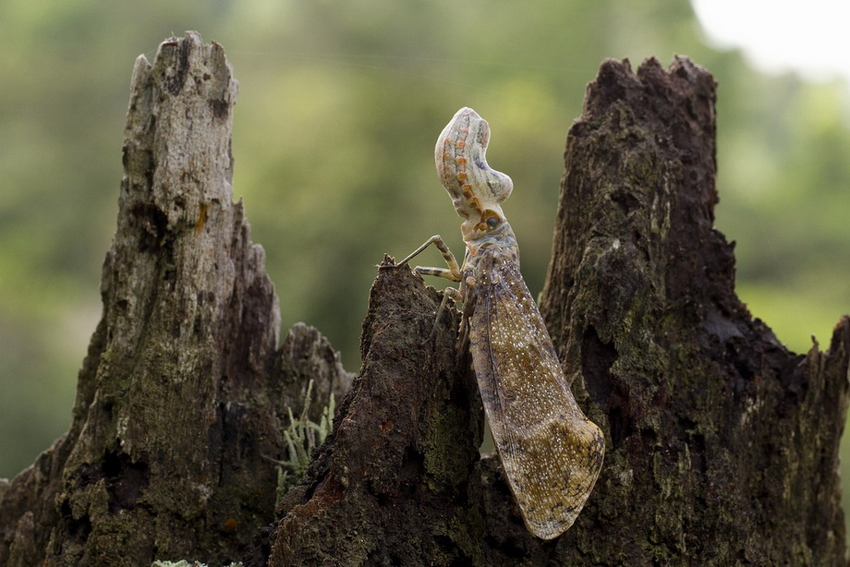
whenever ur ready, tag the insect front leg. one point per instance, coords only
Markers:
(453, 272)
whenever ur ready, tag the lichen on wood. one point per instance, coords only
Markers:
(722, 444)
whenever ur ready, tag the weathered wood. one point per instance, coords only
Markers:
(394, 485)
(179, 398)
(722, 446)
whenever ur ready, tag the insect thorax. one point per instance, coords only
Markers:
(502, 238)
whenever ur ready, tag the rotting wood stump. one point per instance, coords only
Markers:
(722, 446)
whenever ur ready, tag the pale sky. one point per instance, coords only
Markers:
(810, 37)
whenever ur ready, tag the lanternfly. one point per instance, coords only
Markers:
(550, 452)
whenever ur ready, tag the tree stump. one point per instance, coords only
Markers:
(179, 398)
(722, 446)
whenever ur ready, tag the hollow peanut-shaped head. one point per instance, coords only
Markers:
(476, 189)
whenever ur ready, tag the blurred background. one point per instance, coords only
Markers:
(339, 108)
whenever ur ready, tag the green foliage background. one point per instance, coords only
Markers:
(339, 108)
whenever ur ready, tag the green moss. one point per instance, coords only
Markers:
(467, 532)
(445, 461)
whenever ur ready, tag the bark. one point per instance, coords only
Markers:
(722, 446)
(179, 398)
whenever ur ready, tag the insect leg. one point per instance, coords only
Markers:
(452, 273)
(449, 294)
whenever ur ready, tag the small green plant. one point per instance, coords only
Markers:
(301, 437)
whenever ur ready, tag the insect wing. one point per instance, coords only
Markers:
(550, 452)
